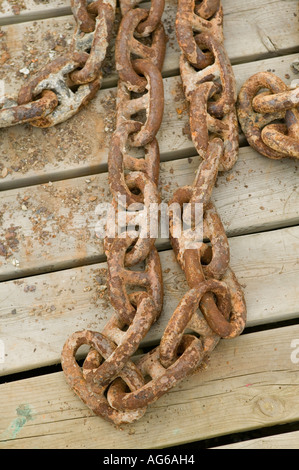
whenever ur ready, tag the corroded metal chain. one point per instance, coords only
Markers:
(133, 183)
(214, 306)
(69, 82)
(257, 112)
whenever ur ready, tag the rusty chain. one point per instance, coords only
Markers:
(136, 296)
(109, 382)
(263, 99)
(63, 86)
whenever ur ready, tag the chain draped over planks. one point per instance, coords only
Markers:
(109, 382)
(258, 110)
(62, 87)
(119, 389)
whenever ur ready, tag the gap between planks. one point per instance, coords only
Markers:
(237, 391)
(270, 26)
(38, 313)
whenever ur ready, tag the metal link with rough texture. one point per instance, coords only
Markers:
(263, 99)
(135, 295)
(73, 78)
(214, 307)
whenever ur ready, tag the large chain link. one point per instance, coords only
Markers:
(63, 86)
(257, 112)
(110, 383)
(214, 307)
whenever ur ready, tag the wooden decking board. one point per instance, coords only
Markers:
(38, 313)
(29, 10)
(238, 391)
(52, 226)
(34, 156)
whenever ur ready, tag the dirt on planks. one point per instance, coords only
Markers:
(26, 148)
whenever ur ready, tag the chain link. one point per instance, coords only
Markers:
(257, 110)
(109, 382)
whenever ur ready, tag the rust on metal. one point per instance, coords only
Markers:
(127, 44)
(29, 112)
(101, 35)
(163, 379)
(80, 379)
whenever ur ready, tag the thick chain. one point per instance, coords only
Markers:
(63, 86)
(257, 112)
(214, 307)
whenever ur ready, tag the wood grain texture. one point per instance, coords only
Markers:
(238, 391)
(38, 313)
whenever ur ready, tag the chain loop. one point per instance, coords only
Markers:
(163, 379)
(81, 381)
(54, 77)
(99, 37)
(257, 111)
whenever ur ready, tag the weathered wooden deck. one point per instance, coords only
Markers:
(53, 270)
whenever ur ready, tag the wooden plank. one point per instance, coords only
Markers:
(38, 313)
(32, 155)
(17, 11)
(240, 390)
(289, 440)
(52, 226)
